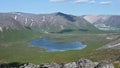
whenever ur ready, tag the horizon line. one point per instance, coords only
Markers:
(57, 12)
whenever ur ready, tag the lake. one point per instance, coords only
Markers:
(54, 47)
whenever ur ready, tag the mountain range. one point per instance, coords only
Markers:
(57, 21)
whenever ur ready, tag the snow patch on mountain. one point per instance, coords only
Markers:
(32, 20)
(105, 27)
(43, 19)
(26, 20)
(31, 24)
(1, 30)
(102, 26)
(15, 17)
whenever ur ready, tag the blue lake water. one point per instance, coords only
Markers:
(53, 47)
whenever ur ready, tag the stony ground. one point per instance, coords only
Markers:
(81, 63)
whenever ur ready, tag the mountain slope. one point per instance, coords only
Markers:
(7, 22)
(104, 22)
(58, 21)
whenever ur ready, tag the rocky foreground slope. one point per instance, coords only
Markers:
(81, 63)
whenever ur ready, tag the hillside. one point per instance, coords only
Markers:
(104, 22)
(44, 22)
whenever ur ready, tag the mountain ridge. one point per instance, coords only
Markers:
(60, 21)
(47, 21)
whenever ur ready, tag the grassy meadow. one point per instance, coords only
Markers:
(15, 46)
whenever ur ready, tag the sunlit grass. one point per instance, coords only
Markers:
(14, 46)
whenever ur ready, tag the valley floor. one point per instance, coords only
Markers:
(14, 47)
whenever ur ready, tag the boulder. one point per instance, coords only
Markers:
(81, 63)
(29, 65)
(85, 63)
(105, 64)
(51, 65)
(70, 65)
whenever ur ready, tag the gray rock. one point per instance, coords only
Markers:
(51, 65)
(96, 63)
(81, 63)
(105, 64)
(85, 63)
(70, 65)
(29, 65)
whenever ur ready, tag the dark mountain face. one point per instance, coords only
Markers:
(68, 17)
(18, 20)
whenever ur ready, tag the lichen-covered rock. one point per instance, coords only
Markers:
(81, 63)
(96, 63)
(70, 65)
(29, 65)
(105, 64)
(85, 63)
(51, 65)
